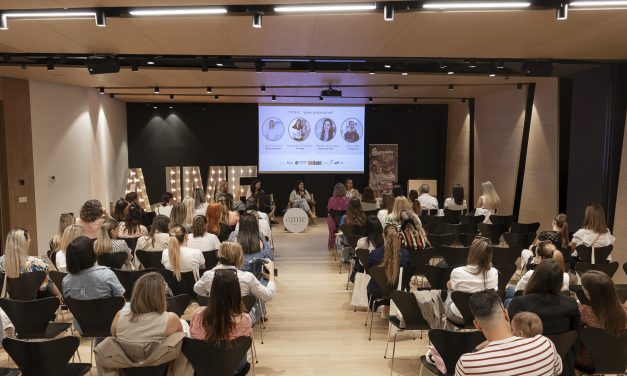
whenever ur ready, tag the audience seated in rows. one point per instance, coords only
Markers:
(200, 204)
(71, 232)
(415, 204)
(200, 238)
(223, 317)
(374, 235)
(369, 202)
(544, 250)
(178, 215)
(351, 191)
(354, 214)
(222, 193)
(558, 236)
(338, 202)
(190, 210)
(401, 204)
(120, 209)
(594, 231)
(158, 237)
(229, 217)
(506, 353)
(107, 242)
(179, 258)
(477, 275)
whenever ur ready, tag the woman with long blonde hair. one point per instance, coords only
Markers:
(178, 257)
(108, 242)
(401, 204)
(190, 210)
(391, 256)
(16, 260)
(489, 201)
(178, 214)
(70, 233)
(65, 220)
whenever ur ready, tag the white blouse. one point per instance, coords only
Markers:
(450, 204)
(191, 259)
(208, 242)
(463, 279)
(522, 284)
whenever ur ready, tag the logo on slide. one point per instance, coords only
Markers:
(272, 129)
(299, 129)
(352, 130)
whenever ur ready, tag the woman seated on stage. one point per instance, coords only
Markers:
(300, 198)
(263, 200)
(337, 202)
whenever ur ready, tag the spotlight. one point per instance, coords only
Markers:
(157, 90)
(134, 67)
(171, 107)
(388, 12)
(451, 72)
(561, 14)
(263, 88)
(596, 4)
(371, 71)
(150, 62)
(404, 73)
(387, 66)
(217, 97)
(395, 87)
(4, 25)
(443, 65)
(500, 64)
(102, 91)
(492, 74)
(415, 100)
(320, 98)
(171, 96)
(472, 64)
(312, 67)
(208, 89)
(519, 86)
(274, 98)
(101, 18)
(112, 96)
(155, 106)
(257, 20)
(258, 66)
(50, 65)
(370, 99)
(451, 86)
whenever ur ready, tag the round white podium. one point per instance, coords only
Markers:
(295, 220)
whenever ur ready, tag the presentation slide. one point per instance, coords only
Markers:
(311, 139)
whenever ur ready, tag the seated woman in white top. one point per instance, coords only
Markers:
(70, 233)
(167, 201)
(178, 257)
(368, 201)
(488, 202)
(594, 232)
(387, 199)
(374, 234)
(427, 202)
(545, 250)
(158, 237)
(200, 238)
(300, 198)
(132, 226)
(477, 275)
(456, 201)
(108, 242)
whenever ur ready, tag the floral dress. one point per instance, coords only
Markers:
(33, 264)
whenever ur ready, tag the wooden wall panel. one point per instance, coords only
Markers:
(18, 154)
(539, 202)
(457, 149)
(498, 134)
(620, 221)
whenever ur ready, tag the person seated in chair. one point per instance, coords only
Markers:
(337, 202)
(427, 202)
(300, 198)
(505, 354)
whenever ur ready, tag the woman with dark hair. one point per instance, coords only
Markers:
(354, 215)
(605, 312)
(387, 198)
(477, 275)
(594, 231)
(132, 226)
(167, 201)
(120, 209)
(300, 198)
(374, 234)
(415, 203)
(351, 191)
(544, 250)
(368, 200)
(397, 190)
(249, 237)
(200, 238)
(558, 236)
(223, 318)
(91, 217)
(157, 238)
(338, 202)
(456, 201)
(108, 242)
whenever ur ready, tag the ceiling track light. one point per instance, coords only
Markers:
(204, 67)
(472, 64)
(4, 25)
(370, 99)
(472, 5)
(101, 90)
(500, 64)
(492, 74)
(50, 65)
(598, 4)
(561, 14)
(450, 72)
(157, 90)
(318, 8)
(451, 86)
(134, 67)
(101, 18)
(263, 88)
(274, 98)
(150, 62)
(174, 11)
(395, 87)
(171, 96)
(371, 71)
(208, 89)
(443, 65)
(404, 73)
(388, 12)
(217, 97)
(258, 66)
(257, 20)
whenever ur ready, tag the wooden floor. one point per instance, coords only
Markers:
(312, 329)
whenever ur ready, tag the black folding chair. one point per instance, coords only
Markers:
(128, 278)
(472, 220)
(184, 286)
(26, 286)
(625, 268)
(371, 212)
(95, 316)
(517, 227)
(150, 259)
(46, 358)
(437, 241)
(178, 304)
(211, 259)
(420, 258)
(466, 239)
(438, 276)
(451, 346)
(460, 299)
(219, 359)
(454, 256)
(131, 243)
(160, 370)
(492, 231)
(32, 318)
(378, 275)
(203, 300)
(452, 216)
(352, 234)
(113, 260)
(506, 220)
(336, 215)
(600, 253)
(506, 271)
(57, 278)
(563, 342)
(52, 255)
(522, 240)
(412, 316)
(609, 268)
(505, 255)
(609, 353)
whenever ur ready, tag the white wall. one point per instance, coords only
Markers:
(79, 137)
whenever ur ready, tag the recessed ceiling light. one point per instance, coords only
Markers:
(219, 65)
(476, 5)
(324, 8)
(388, 66)
(147, 12)
(150, 62)
(157, 90)
(257, 20)
(492, 74)
(451, 72)
(404, 73)
(594, 4)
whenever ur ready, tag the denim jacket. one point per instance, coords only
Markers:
(96, 282)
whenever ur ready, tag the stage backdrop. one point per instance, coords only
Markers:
(226, 135)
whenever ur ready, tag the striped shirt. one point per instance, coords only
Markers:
(512, 356)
